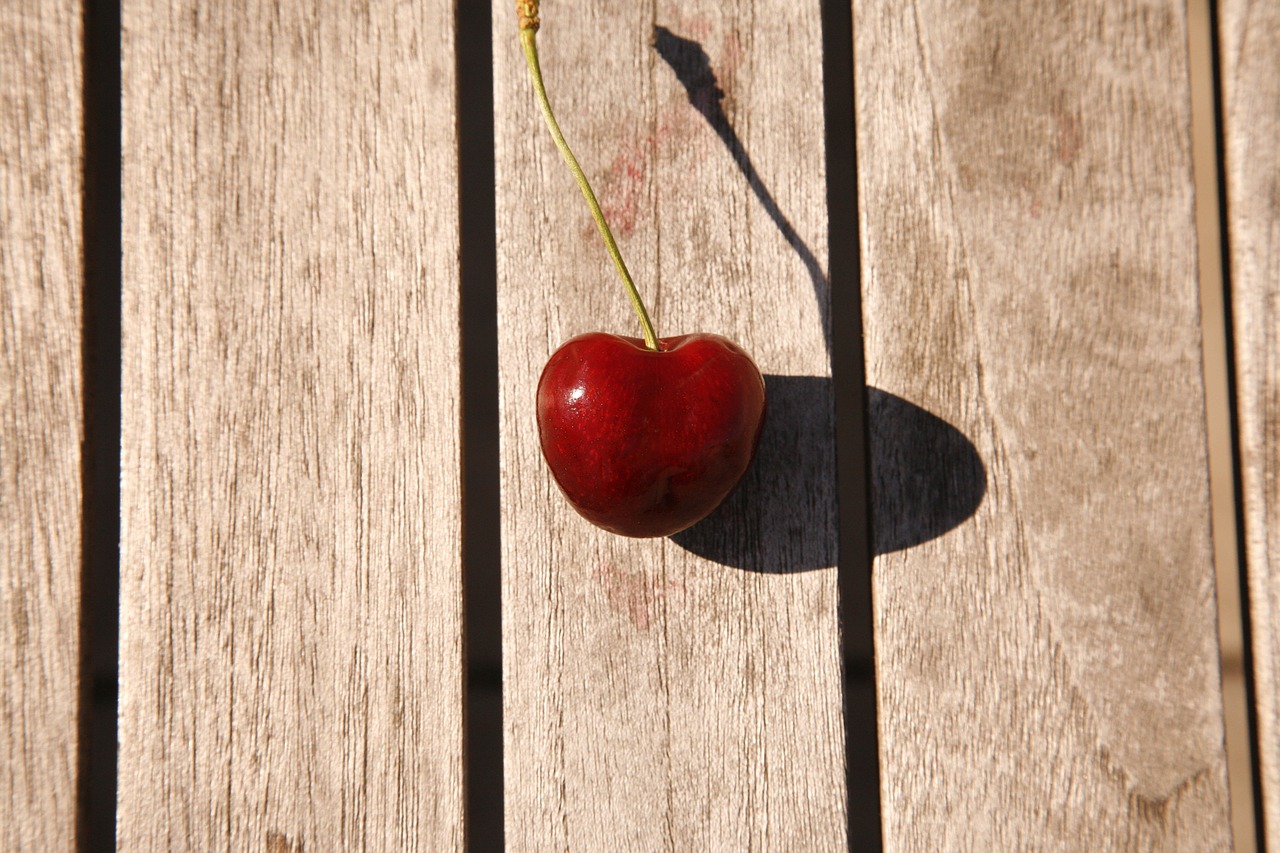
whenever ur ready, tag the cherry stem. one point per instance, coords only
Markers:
(527, 11)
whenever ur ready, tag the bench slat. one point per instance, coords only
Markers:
(666, 694)
(1047, 663)
(41, 401)
(1250, 55)
(291, 663)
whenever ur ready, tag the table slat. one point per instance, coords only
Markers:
(1047, 660)
(291, 661)
(41, 429)
(679, 693)
(1250, 55)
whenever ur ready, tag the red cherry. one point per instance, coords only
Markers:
(645, 438)
(645, 442)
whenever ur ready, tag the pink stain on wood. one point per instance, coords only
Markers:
(634, 595)
(624, 183)
(1070, 136)
(626, 176)
(731, 55)
(698, 27)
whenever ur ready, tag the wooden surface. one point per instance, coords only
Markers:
(1250, 55)
(664, 694)
(291, 660)
(41, 276)
(1047, 669)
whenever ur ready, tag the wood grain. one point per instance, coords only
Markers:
(291, 662)
(1250, 54)
(41, 401)
(1047, 670)
(679, 693)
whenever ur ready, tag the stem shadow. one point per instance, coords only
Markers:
(692, 67)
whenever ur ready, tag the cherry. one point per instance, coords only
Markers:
(645, 442)
(644, 437)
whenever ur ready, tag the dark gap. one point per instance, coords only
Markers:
(848, 371)
(484, 677)
(859, 669)
(100, 451)
(481, 551)
(1251, 694)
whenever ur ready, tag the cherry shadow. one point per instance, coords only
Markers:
(692, 68)
(782, 517)
(927, 478)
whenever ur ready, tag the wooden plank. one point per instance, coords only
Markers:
(671, 693)
(1047, 668)
(1250, 54)
(41, 402)
(291, 662)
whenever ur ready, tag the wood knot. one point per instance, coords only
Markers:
(278, 842)
(527, 13)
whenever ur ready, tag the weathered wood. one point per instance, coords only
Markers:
(1047, 670)
(291, 663)
(655, 698)
(41, 278)
(1250, 56)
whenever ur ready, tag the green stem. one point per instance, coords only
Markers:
(528, 12)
